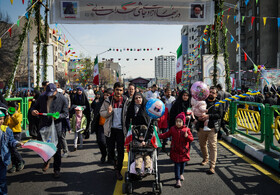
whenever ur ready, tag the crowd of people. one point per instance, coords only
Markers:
(110, 114)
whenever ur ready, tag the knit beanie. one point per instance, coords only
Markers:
(181, 116)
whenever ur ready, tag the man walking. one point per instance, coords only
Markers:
(114, 110)
(51, 102)
(153, 94)
(214, 115)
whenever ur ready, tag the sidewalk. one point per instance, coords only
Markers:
(255, 150)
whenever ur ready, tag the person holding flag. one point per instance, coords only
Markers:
(180, 146)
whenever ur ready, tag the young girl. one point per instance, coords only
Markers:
(78, 125)
(6, 141)
(180, 146)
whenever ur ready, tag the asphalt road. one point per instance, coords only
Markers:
(82, 173)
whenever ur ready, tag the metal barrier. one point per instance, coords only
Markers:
(226, 117)
(248, 119)
(20, 109)
(272, 127)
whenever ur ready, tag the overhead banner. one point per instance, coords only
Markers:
(208, 70)
(180, 12)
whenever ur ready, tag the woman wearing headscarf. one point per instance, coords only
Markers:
(181, 104)
(80, 99)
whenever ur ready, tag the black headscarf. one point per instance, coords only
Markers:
(142, 117)
(179, 106)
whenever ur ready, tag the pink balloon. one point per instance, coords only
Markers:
(199, 91)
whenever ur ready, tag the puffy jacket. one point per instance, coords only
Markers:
(14, 122)
(109, 117)
(83, 123)
(180, 145)
(7, 139)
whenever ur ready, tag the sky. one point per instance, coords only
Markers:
(93, 39)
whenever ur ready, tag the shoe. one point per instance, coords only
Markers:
(211, 171)
(147, 170)
(103, 158)
(46, 166)
(13, 169)
(204, 162)
(182, 177)
(75, 149)
(64, 155)
(178, 184)
(20, 166)
(205, 128)
(119, 175)
(227, 133)
(56, 174)
(138, 171)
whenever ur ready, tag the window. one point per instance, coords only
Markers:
(250, 12)
(258, 10)
(258, 26)
(249, 27)
(250, 41)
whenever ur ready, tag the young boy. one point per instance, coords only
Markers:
(6, 141)
(13, 120)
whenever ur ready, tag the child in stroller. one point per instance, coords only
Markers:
(141, 139)
(141, 149)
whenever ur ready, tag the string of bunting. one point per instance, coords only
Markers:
(18, 21)
(134, 49)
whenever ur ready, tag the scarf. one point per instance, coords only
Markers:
(79, 120)
(136, 108)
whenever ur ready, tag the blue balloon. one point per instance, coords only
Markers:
(155, 108)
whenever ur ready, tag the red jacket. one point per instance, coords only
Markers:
(163, 121)
(180, 145)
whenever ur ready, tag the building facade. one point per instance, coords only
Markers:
(165, 70)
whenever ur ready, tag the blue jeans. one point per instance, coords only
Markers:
(15, 155)
(3, 180)
(179, 169)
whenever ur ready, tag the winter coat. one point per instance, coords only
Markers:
(83, 123)
(7, 140)
(14, 122)
(59, 104)
(109, 117)
(180, 145)
(163, 121)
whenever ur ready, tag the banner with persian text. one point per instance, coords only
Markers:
(180, 12)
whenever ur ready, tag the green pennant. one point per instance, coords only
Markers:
(226, 31)
(71, 48)
(257, 1)
(243, 17)
(222, 13)
(18, 22)
(73, 70)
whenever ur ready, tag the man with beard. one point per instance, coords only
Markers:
(114, 110)
(214, 116)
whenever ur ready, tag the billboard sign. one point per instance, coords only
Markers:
(132, 12)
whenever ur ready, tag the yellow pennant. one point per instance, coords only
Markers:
(237, 46)
(12, 1)
(0, 43)
(66, 41)
(75, 56)
(264, 21)
(227, 17)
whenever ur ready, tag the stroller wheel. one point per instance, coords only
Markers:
(159, 185)
(124, 188)
(129, 188)
(157, 188)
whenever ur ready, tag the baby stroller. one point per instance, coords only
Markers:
(131, 176)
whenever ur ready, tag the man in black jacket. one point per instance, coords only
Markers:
(52, 102)
(214, 116)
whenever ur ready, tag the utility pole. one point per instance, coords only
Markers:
(239, 49)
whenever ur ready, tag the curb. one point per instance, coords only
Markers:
(262, 157)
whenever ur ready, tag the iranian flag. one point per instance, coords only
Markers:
(155, 139)
(128, 139)
(179, 65)
(96, 72)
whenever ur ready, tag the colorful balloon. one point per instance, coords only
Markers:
(155, 108)
(199, 91)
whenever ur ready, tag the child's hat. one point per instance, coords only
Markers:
(181, 116)
(2, 114)
(81, 108)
